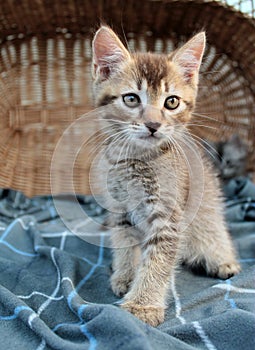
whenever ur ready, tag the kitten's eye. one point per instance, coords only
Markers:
(172, 102)
(131, 100)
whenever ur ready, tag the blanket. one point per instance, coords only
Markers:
(55, 291)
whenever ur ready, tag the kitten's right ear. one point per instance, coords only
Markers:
(189, 57)
(108, 52)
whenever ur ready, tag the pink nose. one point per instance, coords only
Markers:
(152, 126)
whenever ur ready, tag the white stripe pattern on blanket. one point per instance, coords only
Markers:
(53, 295)
(230, 288)
(203, 336)
(177, 301)
(196, 324)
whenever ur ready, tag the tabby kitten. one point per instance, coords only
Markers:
(164, 198)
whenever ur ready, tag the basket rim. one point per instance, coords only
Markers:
(13, 32)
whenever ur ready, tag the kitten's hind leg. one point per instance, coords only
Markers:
(126, 256)
(210, 246)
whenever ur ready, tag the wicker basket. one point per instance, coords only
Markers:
(45, 73)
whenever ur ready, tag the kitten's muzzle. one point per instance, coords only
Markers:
(152, 126)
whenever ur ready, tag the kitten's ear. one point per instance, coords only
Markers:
(108, 52)
(189, 57)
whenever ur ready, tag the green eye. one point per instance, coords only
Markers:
(131, 100)
(172, 102)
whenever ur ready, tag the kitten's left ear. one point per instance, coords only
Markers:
(189, 57)
(108, 53)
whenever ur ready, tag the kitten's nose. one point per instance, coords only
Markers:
(152, 126)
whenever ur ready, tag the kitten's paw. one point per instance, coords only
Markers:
(150, 314)
(228, 270)
(120, 284)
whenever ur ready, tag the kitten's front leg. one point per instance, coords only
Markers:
(126, 256)
(146, 299)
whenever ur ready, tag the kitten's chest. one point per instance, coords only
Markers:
(132, 179)
(142, 187)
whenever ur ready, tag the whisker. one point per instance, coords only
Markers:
(186, 159)
(209, 72)
(206, 117)
(212, 151)
(117, 121)
(198, 141)
(115, 137)
(128, 147)
(177, 152)
(122, 148)
(202, 125)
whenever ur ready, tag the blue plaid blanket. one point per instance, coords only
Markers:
(55, 291)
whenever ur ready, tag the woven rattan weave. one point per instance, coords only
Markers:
(45, 73)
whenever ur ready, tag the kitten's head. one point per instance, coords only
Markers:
(149, 97)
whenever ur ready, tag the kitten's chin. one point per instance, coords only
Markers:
(151, 140)
(149, 145)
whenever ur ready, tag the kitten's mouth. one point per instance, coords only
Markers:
(152, 140)
(151, 137)
(146, 137)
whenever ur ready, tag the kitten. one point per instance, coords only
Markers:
(231, 158)
(164, 197)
